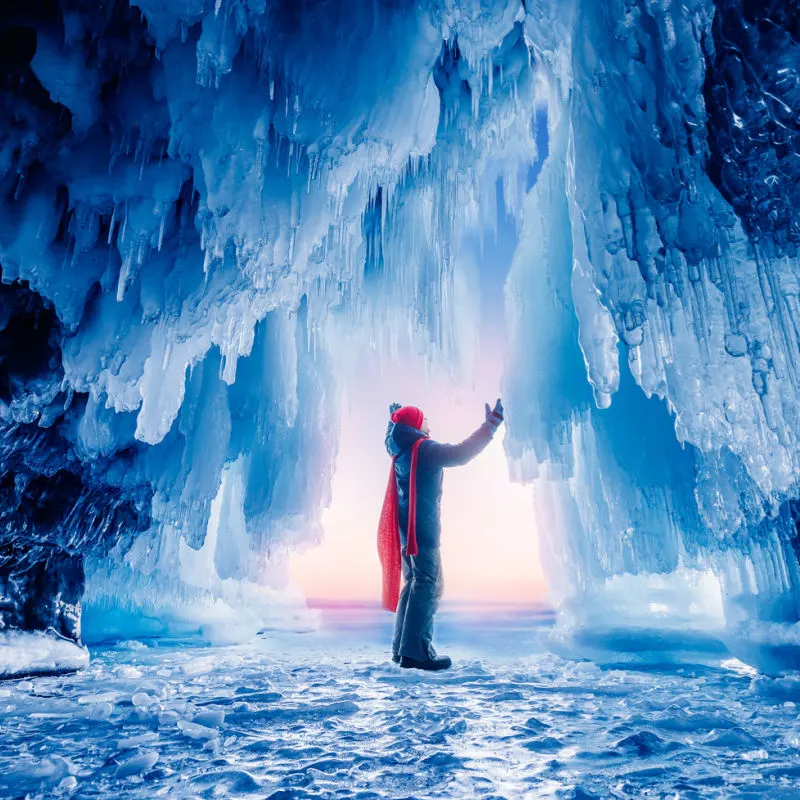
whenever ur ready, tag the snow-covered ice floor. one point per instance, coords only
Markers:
(323, 715)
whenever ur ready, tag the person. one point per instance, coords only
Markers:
(410, 528)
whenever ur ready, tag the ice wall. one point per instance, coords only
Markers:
(659, 252)
(203, 206)
(208, 209)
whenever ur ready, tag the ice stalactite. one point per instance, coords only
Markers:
(659, 268)
(205, 203)
(204, 206)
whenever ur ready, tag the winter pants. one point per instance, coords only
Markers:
(423, 585)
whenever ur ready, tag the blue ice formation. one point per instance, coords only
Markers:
(658, 260)
(208, 208)
(203, 206)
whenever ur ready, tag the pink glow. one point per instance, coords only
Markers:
(489, 541)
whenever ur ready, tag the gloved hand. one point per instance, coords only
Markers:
(393, 407)
(494, 416)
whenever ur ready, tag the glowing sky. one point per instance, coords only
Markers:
(489, 544)
(489, 541)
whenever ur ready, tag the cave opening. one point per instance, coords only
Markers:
(228, 264)
(232, 233)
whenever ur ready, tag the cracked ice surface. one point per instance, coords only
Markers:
(325, 715)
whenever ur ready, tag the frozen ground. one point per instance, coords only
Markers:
(324, 715)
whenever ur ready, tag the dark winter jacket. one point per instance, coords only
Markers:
(433, 457)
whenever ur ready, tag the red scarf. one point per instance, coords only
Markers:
(389, 524)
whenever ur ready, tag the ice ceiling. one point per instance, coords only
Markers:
(204, 205)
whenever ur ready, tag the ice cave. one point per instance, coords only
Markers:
(215, 216)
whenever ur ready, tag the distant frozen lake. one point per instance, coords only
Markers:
(326, 715)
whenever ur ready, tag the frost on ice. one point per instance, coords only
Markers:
(204, 206)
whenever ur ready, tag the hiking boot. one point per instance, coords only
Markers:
(395, 658)
(432, 664)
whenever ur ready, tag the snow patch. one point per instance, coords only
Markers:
(24, 653)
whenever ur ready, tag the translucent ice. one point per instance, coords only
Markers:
(141, 762)
(195, 730)
(186, 256)
(209, 211)
(648, 268)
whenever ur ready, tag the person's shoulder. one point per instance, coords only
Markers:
(428, 447)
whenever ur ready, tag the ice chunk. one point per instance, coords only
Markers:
(100, 711)
(100, 697)
(210, 719)
(38, 654)
(143, 700)
(141, 762)
(67, 785)
(140, 740)
(167, 719)
(197, 731)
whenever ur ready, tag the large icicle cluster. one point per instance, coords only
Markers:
(205, 205)
(659, 248)
(200, 203)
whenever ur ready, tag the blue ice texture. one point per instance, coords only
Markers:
(211, 211)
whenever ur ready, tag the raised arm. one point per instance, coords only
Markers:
(456, 455)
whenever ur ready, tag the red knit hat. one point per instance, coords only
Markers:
(409, 415)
